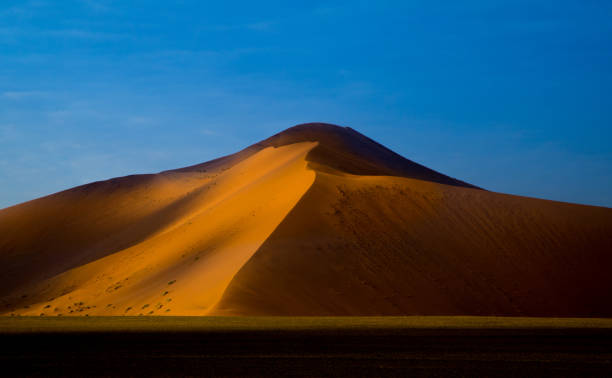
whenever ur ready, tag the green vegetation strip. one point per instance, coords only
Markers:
(225, 324)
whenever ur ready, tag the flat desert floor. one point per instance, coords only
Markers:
(305, 346)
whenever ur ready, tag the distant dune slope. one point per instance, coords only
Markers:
(316, 220)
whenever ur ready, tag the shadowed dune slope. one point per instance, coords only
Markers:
(316, 220)
(358, 245)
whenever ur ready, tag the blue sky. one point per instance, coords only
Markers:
(513, 96)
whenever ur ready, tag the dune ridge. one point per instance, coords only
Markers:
(315, 220)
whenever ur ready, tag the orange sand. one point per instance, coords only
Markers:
(167, 245)
(317, 220)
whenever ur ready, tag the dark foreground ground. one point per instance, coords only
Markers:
(305, 347)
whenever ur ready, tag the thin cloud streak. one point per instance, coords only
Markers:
(21, 95)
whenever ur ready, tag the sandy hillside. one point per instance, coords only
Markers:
(316, 220)
(163, 244)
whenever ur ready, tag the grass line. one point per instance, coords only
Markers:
(220, 324)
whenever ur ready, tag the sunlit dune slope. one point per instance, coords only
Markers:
(164, 244)
(316, 220)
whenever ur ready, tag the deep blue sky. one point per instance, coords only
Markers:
(513, 96)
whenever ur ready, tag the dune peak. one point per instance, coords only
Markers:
(344, 149)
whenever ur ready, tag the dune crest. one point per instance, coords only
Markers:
(315, 220)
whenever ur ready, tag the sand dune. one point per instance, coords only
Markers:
(316, 220)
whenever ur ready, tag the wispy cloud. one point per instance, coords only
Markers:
(8, 133)
(84, 34)
(81, 34)
(263, 25)
(253, 26)
(21, 95)
(140, 121)
(95, 5)
(209, 132)
(25, 9)
(54, 146)
(76, 111)
(170, 57)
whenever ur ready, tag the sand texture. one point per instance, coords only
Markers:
(316, 220)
